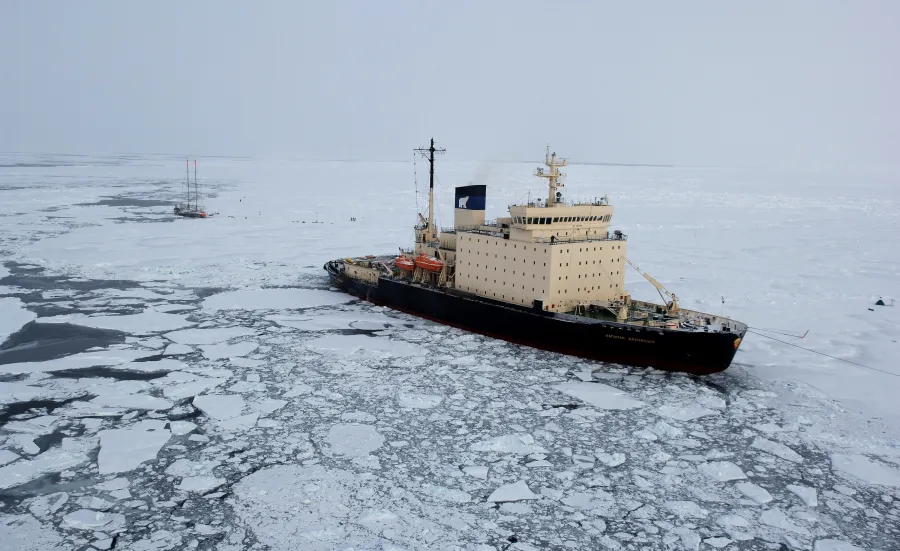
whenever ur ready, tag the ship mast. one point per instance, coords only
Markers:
(554, 177)
(196, 190)
(430, 230)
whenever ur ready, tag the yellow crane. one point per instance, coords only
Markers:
(671, 306)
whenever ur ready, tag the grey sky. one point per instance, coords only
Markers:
(805, 83)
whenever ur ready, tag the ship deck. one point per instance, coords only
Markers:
(640, 311)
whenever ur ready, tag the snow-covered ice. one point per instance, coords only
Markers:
(515, 491)
(122, 450)
(13, 316)
(599, 395)
(250, 405)
(273, 299)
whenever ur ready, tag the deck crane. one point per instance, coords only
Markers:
(671, 306)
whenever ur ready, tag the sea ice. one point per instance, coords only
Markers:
(722, 471)
(7, 456)
(208, 336)
(273, 299)
(43, 507)
(71, 452)
(353, 440)
(477, 472)
(417, 401)
(777, 519)
(348, 345)
(179, 428)
(510, 443)
(145, 323)
(312, 508)
(866, 470)
(222, 351)
(446, 494)
(132, 401)
(188, 386)
(13, 316)
(686, 509)
(684, 413)
(777, 449)
(122, 450)
(176, 349)
(220, 406)
(599, 395)
(25, 533)
(754, 492)
(85, 519)
(77, 361)
(200, 484)
(835, 545)
(516, 491)
(805, 493)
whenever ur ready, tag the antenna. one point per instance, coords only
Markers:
(553, 176)
(430, 157)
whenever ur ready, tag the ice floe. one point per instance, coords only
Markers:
(222, 351)
(273, 299)
(353, 439)
(866, 470)
(368, 346)
(515, 491)
(208, 335)
(522, 444)
(722, 471)
(122, 450)
(71, 453)
(145, 323)
(599, 395)
(805, 493)
(13, 316)
(777, 449)
(756, 493)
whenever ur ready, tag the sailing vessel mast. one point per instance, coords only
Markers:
(430, 231)
(196, 191)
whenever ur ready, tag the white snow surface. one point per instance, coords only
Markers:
(13, 316)
(515, 491)
(395, 439)
(599, 395)
(122, 450)
(273, 299)
(145, 323)
(866, 470)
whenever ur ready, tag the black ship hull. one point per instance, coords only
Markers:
(694, 352)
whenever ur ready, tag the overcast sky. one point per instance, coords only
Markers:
(805, 83)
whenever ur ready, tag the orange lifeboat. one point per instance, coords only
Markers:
(405, 263)
(429, 263)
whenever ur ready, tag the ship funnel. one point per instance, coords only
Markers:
(468, 206)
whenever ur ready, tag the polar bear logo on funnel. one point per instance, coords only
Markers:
(462, 202)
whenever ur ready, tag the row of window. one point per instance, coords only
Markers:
(556, 219)
(506, 244)
(586, 275)
(544, 278)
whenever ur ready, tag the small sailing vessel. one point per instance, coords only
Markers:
(191, 207)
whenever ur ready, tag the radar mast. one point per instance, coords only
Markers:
(554, 177)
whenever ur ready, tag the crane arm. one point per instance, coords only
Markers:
(659, 286)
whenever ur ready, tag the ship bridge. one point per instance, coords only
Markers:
(548, 254)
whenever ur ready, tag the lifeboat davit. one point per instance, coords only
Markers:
(429, 263)
(405, 263)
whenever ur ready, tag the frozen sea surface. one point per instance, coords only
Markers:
(197, 384)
